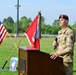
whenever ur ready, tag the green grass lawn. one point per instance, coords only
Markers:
(7, 46)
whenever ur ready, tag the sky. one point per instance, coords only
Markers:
(50, 9)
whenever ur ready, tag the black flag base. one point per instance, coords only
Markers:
(4, 64)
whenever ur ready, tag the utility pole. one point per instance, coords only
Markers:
(17, 25)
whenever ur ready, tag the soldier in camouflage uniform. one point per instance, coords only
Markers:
(65, 45)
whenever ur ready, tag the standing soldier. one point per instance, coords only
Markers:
(65, 45)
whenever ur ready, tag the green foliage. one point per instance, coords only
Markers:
(74, 27)
(8, 23)
(56, 23)
(24, 23)
(42, 20)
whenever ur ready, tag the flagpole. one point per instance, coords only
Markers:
(39, 13)
(17, 26)
(12, 52)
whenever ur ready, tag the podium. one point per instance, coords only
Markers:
(36, 62)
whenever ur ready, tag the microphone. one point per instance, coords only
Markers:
(56, 42)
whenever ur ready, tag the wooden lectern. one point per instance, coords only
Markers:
(35, 62)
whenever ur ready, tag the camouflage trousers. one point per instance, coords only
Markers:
(67, 69)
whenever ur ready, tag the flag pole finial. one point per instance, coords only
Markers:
(39, 11)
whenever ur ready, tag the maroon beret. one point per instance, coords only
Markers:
(64, 17)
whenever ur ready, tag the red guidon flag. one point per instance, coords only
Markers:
(32, 33)
(3, 32)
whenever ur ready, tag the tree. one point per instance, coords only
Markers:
(56, 23)
(5, 20)
(42, 20)
(55, 27)
(24, 22)
(8, 23)
(74, 27)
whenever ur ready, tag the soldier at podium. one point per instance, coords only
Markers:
(64, 45)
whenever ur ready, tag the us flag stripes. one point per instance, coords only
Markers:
(3, 32)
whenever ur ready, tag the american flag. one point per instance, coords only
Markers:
(3, 32)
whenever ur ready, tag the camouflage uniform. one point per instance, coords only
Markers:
(66, 39)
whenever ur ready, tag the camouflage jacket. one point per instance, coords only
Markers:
(66, 39)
